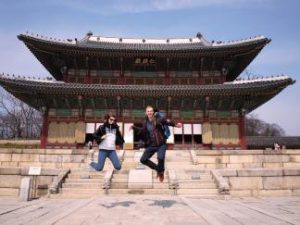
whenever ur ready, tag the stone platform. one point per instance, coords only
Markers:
(158, 210)
(201, 173)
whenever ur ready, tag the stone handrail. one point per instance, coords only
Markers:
(173, 182)
(223, 186)
(57, 182)
(194, 157)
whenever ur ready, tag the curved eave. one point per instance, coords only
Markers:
(120, 47)
(104, 90)
(46, 50)
(250, 94)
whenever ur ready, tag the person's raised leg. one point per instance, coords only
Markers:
(161, 154)
(145, 159)
(101, 160)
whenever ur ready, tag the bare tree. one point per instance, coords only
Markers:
(257, 127)
(17, 119)
(248, 74)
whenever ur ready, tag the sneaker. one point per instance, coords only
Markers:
(89, 167)
(160, 177)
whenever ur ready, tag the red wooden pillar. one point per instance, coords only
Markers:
(65, 74)
(242, 132)
(167, 75)
(44, 133)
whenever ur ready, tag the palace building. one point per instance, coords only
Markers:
(191, 80)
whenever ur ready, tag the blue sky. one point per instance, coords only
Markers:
(216, 19)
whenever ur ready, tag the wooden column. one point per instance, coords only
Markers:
(242, 131)
(66, 74)
(44, 132)
(167, 75)
(88, 75)
(81, 108)
(121, 79)
(118, 106)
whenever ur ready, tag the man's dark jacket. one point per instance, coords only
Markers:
(158, 131)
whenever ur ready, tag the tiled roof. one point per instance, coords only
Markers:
(259, 142)
(230, 88)
(145, 44)
(229, 96)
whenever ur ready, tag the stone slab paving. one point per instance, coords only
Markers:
(158, 210)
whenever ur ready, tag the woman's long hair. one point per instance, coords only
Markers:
(107, 116)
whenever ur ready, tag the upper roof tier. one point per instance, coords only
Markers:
(56, 54)
(144, 44)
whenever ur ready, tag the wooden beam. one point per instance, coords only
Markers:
(93, 103)
(220, 102)
(87, 62)
(54, 102)
(98, 63)
(75, 62)
(232, 104)
(201, 65)
(121, 67)
(195, 104)
(67, 102)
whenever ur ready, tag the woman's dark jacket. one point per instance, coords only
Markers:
(102, 131)
(158, 131)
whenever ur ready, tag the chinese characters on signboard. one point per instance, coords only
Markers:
(145, 61)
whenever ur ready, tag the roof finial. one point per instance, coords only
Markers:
(89, 34)
(199, 35)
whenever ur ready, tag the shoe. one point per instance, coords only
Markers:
(89, 167)
(160, 177)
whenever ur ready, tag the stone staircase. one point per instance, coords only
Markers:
(190, 179)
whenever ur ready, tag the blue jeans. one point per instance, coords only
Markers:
(161, 153)
(111, 154)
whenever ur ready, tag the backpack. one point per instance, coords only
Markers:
(165, 128)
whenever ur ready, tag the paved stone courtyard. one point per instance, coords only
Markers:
(158, 210)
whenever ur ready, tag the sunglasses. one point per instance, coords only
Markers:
(110, 119)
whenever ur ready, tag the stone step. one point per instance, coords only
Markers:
(119, 180)
(196, 181)
(119, 185)
(84, 176)
(91, 171)
(82, 192)
(178, 158)
(159, 185)
(71, 180)
(82, 185)
(140, 191)
(75, 195)
(178, 163)
(196, 185)
(120, 176)
(190, 177)
(97, 191)
(129, 162)
(87, 193)
(181, 167)
(198, 192)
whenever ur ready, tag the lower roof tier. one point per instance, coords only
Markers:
(236, 95)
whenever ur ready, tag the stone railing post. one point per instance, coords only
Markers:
(173, 182)
(223, 186)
